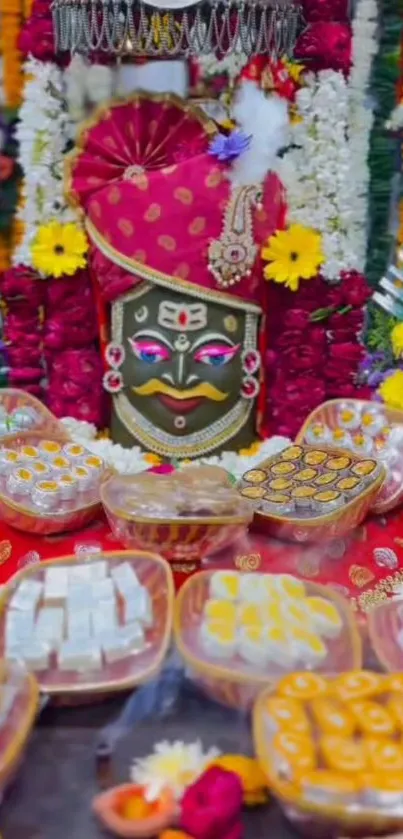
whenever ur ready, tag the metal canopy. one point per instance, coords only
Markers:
(132, 28)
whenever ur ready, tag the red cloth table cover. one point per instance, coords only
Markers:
(364, 566)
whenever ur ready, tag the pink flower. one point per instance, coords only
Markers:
(211, 807)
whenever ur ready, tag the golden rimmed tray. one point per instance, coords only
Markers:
(391, 493)
(154, 573)
(45, 523)
(318, 817)
(319, 528)
(234, 683)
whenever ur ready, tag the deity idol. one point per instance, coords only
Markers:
(175, 232)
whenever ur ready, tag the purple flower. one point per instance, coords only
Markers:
(229, 148)
(375, 379)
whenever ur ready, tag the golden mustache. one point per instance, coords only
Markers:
(154, 386)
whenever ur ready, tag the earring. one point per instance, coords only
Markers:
(250, 361)
(250, 387)
(114, 357)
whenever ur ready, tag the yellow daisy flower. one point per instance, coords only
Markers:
(391, 390)
(59, 249)
(396, 337)
(294, 254)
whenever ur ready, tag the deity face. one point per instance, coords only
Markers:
(183, 362)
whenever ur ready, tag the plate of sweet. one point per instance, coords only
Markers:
(237, 632)
(368, 429)
(184, 516)
(308, 493)
(48, 485)
(331, 749)
(91, 627)
(20, 412)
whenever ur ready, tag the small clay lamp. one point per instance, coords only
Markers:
(125, 812)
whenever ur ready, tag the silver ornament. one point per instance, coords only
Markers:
(385, 558)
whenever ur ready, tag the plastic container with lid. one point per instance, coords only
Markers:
(34, 496)
(331, 750)
(238, 632)
(186, 515)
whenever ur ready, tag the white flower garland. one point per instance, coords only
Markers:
(132, 461)
(230, 65)
(326, 173)
(316, 171)
(42, 133)
(361, 117)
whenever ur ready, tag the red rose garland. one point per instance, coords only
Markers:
(314, 348)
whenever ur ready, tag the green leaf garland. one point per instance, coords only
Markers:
(384, 147)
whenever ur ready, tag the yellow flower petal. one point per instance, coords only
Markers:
(292, 255)
(59, 249)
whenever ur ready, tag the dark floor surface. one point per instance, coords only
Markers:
(51, 796)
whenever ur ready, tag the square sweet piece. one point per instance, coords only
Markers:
(137, 606)
(124, 577)
(103, 590)
(103, 618)
(78, 625)
(121, 643)
(80, 597)
(79, 655)
(49, 626)
(19, 626)
(98, 569)
(80, 573)
(36, 655)
(27, 595)
(56, 583)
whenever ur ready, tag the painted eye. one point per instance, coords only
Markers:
(216, 355)
(151, 352)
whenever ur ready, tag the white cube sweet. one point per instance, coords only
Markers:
(36, 655)
(79, 655)
(19, 626)
(103, 618)
(80, 573)
(121, 643)
(103, 589)
(124, 577)
(80, 597)
(56, 583)
(98, 569)
(137, 606)
(49, 626)
(78, 625)
(27, 595)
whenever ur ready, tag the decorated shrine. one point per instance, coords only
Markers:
(201, 418)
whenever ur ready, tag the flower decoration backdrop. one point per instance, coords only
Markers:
(340, 89)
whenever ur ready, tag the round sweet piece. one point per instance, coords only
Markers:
(325, 479)
(280, 484)
(315, 457)
(49, 448)
(308, 474)
(338, 464)
(292, 453)
(283, 468)
(255, 476)
(364, 468)
(253, 492)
